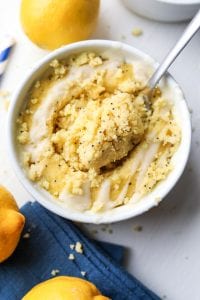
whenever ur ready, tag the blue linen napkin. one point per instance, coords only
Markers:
(48, 248)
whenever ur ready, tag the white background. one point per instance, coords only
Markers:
(166, 254)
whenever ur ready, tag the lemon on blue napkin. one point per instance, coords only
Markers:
(46, 247)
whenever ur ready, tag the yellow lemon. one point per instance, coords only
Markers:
(64, 288)
(11, 224)
(54, 23)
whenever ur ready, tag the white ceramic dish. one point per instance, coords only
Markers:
(164, 10)
(129, 210)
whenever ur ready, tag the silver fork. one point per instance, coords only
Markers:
(187, 35)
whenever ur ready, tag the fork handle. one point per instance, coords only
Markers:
(189, 32)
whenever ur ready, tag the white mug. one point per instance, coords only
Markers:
(164, 10)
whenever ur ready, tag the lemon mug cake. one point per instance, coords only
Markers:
(88, 137)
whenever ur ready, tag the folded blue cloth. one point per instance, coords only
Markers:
(48, 248)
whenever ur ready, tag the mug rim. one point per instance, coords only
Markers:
(38, 193)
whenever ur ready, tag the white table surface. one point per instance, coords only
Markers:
(165, 254)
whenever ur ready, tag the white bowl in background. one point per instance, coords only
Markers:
(164, 10)
(126, 211)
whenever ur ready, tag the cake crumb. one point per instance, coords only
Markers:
(23, 137)
(137, 31)
(26, 235)
(37, 84)
(71, 256)
(79, 247)
(45, 185)
(72, 246)
(34, 101)
(54, 64)
(54, 272)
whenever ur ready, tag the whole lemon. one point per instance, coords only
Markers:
(64, 288)
(54, 23)
(11, 224)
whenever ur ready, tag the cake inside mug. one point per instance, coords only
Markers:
(87, 136)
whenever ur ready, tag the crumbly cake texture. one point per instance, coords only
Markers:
(86, 123)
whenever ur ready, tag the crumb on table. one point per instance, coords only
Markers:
(26, 235)
(137, 31)
(54, 272)
(71, 256)
(79, 247)
(72, 246)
